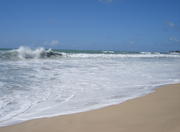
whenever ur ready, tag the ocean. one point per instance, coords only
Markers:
(36, 83)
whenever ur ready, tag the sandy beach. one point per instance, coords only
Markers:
(156, 112)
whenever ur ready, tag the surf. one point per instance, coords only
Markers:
(27, 53)
(41, 82)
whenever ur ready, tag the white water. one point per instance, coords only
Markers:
(47, 87)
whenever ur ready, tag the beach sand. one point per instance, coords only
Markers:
(156, 112)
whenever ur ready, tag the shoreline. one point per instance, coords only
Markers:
(157, 111)
(86, 109)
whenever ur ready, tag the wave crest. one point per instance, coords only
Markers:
(23, 53)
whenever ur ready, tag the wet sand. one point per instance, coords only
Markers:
(155, 112)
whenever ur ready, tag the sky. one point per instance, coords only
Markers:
(125, 25)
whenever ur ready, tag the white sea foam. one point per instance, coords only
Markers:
(47, 87)
(138, 55)
(26, 52)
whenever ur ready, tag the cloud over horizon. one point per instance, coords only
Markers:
(106, 1)
(52, 43)
(174, 39)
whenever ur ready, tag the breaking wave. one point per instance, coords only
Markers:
(26, 53)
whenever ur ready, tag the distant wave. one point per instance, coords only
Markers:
(108, 51)
(26, 53)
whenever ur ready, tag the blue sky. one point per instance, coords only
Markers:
(128, 25)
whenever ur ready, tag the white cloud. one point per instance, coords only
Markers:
(106, 1)
(171, 24)
(131, 42)
(174, 39)
(52, 43)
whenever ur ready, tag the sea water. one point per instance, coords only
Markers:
(36, 83)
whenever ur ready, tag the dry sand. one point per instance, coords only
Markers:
(156, 112)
